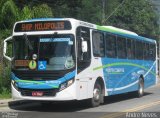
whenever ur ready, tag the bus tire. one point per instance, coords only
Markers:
(97, 98)
(140, 91)
(45, 103)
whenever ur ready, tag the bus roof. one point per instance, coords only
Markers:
(124, 33)
(46, 19)
(109, 29)
(120, 30)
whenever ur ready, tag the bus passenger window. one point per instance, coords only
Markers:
(146, 51)
(130, 49)
(121, 42)
(110, 46)
(98, 44)
(139, 50)
(152, 52)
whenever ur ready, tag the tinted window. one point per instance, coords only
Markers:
(83, 59)
(98, 44)
(121, 47)
(152, 52)
(85, 33)
(139, 50)
(146, 51)
(110, 45)
(130, 49)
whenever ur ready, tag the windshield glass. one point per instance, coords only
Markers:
(55, 52)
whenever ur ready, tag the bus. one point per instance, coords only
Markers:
(62, 59)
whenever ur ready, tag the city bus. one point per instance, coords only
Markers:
(62, 59)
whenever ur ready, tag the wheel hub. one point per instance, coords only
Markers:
(141, 89)
(96, 94)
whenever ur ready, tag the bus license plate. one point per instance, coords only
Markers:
(37, 93)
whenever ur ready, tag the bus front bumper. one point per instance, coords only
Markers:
(64, 95)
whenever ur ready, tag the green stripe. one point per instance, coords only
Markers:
(110, 30)
(122, 63)
(26, 81)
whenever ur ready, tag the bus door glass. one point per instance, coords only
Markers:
(83, 47)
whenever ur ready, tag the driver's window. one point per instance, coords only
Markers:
(83, 58)
(83, 32)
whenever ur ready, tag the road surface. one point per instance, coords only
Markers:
(126, 105)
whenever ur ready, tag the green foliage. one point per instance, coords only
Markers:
(134, 15)
(5, 93)
(9, 13)
(137, 16)
(25, 14)
(5, 83)
(62, 11)
(5, 33)
(42, 11)
(39, 11)
(90, 11)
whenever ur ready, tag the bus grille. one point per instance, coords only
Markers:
(38, 76)
(46, 92)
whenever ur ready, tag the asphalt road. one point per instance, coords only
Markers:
(125, 106)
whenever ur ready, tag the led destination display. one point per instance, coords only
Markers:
(42, 26)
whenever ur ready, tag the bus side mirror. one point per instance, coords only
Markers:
(84, 46)
(5, 44)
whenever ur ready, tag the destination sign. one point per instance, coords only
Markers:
(21, 63)
(42, 26)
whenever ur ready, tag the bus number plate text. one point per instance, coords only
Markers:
(37, 93)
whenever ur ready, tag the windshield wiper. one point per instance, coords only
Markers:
(28, 42)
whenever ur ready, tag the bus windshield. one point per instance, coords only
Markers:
(57, 51)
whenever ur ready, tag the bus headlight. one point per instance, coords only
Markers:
(70, 82)
(66, 84)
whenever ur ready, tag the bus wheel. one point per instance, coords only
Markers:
(96, 100)
(140, 91)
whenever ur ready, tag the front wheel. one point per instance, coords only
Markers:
(96, 99)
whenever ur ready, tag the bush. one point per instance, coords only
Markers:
(42, 11)
(6, 93)
(5, 88)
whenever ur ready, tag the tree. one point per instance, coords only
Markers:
(42, 11)
(26, 13)
(134, 15)
(8, 16)
(90, 11)
(137, 16)
(10, 13)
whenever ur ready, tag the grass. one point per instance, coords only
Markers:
(5, 93)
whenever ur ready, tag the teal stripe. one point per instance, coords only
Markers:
(35, 82)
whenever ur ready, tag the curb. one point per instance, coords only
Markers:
(3, 105)
(4, 102)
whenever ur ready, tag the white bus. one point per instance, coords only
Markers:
(67, 59)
